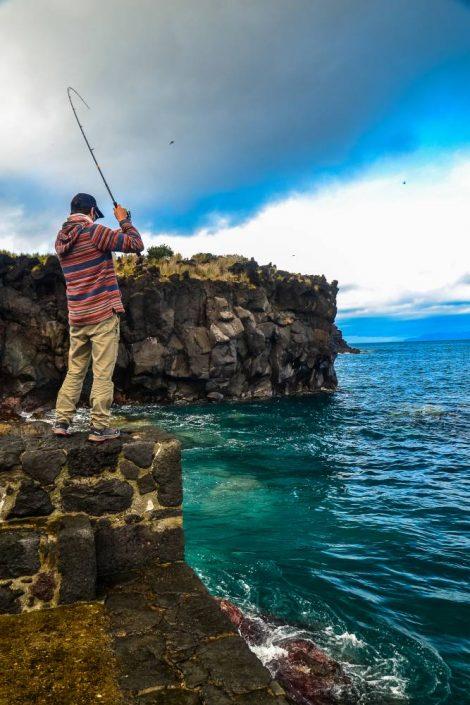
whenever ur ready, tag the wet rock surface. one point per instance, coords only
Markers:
(182, 339)
(175, 645)
(308, 675)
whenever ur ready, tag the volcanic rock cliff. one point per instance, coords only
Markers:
(182, 338)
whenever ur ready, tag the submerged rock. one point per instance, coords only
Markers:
(308, 675)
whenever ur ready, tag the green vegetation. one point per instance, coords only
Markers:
(159, 252)
(34, 255)
(162, 263)
(200, 266)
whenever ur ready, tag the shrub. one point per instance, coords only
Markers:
(159, 252)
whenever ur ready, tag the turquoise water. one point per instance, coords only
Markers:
(344, 515)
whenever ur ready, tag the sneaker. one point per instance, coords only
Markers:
(98, 435)
(61, 428)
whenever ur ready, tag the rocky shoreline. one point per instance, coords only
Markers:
(79, 523)
(183, 339)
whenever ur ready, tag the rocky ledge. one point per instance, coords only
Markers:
(102, 525)
(183, 338)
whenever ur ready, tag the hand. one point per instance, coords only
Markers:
(120, 213)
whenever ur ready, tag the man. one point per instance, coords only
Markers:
(85, 251)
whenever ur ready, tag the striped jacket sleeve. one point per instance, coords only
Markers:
(125, 239)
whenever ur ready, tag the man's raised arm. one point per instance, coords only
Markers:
(125, 239)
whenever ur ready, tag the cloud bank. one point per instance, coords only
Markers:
(398, 242)
(259, 96)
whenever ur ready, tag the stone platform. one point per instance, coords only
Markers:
(160, 639)
(175, 646)
(95, 531)
(76, 517)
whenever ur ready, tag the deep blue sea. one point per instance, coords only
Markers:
(345, 515)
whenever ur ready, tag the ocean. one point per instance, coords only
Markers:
(345, 516)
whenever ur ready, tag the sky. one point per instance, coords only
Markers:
(326, 136)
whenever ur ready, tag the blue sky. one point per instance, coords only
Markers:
(326, 136)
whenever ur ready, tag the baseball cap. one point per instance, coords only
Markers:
(86, 202)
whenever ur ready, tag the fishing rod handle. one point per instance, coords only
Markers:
(115, 204)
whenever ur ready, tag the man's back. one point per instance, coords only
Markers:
(94, 300)
(85, 251)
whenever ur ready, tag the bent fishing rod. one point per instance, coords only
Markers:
(90, 148)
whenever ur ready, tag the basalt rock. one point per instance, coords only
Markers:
(182, 339)
(73, 519)
(104, 497)
(341, 345)
(32, 501)
(19, 553)
(308, 675)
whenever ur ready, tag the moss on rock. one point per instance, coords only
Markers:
(58, 656)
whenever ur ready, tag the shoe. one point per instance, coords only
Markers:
(98, 435)
(61, 428)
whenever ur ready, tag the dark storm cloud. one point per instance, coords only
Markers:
(259, 96)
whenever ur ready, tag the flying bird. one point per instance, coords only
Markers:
(172, 142)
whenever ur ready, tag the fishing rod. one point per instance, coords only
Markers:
(90, 148)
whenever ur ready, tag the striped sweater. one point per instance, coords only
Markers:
(85, 251)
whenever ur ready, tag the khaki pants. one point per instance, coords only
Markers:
(97, 342)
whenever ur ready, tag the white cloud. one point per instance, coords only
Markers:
(250, 91)
(398, 248)
(22, 231)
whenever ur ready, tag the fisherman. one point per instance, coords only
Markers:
(85, 248)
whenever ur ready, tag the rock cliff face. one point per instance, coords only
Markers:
(182, 339)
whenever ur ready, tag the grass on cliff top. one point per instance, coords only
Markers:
(231, 268)
(197, 268)
(57, 657)
(205, 266)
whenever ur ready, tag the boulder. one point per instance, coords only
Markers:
(31, 501)
(19, 553)
(76, 559)
(43, 465)
(169, 483)
(10, 452)
(102, 497)
(139, 452)
(9, 602)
